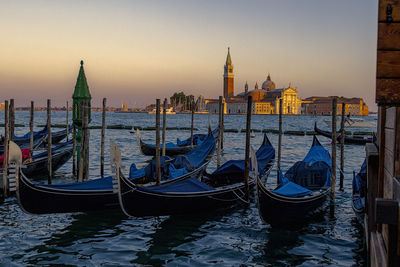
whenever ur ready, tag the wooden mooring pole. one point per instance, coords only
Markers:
(66, 121)
(220, 128)
(342, 135)
(87, 139)
(333, 171)
(222, 122)
(49, 141)
(158, 171)
(74, 150)
(11, 123)
(5, 159)
(164, 125)
(247, 153)
(31, 126)
(103, 131)
(191, 127)
(279, 142)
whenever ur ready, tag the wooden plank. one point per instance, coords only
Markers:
(397, 146)
(388, 64)
(389, 162)
(378, 251)
(389, 139)
(388, 36)
(395, 10)
(390, 117)
(388, 91)
(387, 185)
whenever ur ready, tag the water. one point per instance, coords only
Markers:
(226, 238)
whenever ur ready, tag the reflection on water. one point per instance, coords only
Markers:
(230, 237)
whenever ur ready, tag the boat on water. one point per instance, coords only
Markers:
(353, 123)
(35, 163)
(223, 188)
(168, 111)
(99, 194)
(355, 139)
(171, 149)
(359, 191)
(300, 192)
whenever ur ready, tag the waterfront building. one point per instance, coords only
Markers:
(265, 100)
(317, 105)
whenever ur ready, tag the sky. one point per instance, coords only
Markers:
(136, 51)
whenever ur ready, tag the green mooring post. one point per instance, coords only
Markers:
(81, 94)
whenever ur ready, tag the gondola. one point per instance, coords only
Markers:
(171, 149)
(36, 166)
(223, 188)
(35, 163)
(362, 140)
(98, 194)
(301, 191)
(23, 144)
(359, 191)
(58, 136)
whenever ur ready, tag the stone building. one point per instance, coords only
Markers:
(265, 100)
(317, 105)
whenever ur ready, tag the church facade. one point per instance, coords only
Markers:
(265, 100)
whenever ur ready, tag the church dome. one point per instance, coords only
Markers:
(268, 84)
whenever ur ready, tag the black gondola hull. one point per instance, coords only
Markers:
(150, 150)
(36, 199)
(137, 202)
(347, 139)
(275, 209)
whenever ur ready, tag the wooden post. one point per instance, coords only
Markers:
(49, 158)
(247, 154)
(66, 122)
(164, 126)
(222, 123)
(103, 130)
(219, 132)
(31, 126)
(191, 128)
(12, 120)
(158, 171)
(342, 134)
(5, 159)
(74, 151)
(82, 146)
(279, 142)
(87, 138)
(333, 171)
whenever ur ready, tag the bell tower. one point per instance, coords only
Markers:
(228, 77)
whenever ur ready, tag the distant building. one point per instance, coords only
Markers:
(317, 105)
(265, 100)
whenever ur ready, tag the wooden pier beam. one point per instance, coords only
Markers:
(220, 127)
(5, 159)
(279, 142)
(11, 123)
(247, 153)
(49, 143)
(333, 171)
(31, 126)
(342, 135)
(164, 127)
(158, 170)
(103, 131)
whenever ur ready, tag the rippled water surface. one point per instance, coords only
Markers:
(230, 237)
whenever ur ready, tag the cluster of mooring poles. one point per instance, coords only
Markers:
(81, 110)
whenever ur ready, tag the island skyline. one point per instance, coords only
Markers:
(139, 51)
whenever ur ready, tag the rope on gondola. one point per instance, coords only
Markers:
(241, 199)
